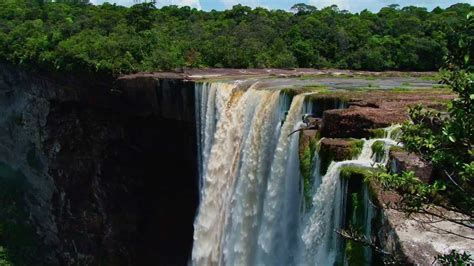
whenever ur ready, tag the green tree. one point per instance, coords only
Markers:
(303, 9)
(59, 35)
(444, 139)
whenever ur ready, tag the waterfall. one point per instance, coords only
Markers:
(369, 215)
(252, 209)
(217, 177)
(210, 103)
(277, 237)
(321, 244)
(243, 145)
(247, 199)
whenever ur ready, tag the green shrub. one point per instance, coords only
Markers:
(348, 172)
(356, 148)
(306, 166)
(378, 149)
(377, 133)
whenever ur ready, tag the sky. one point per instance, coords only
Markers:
(351, 5)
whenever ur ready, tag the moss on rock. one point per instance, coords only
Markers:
(356, 146)
(338, 150)
(357, 217)
(377, 133)
(308, 147)
(354, 253)
(396, 149)
(348, 172)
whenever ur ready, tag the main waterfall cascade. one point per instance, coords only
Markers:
(252, 205)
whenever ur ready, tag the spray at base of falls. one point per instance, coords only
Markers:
(250, 183)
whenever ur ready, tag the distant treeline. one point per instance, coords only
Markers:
(77, 36)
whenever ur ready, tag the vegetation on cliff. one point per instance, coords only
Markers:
(72, 35)
(378, 148)
(309, 146)
(339, 150)
(446, 139)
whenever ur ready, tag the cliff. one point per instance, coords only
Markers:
(104, 171)
(109, 170)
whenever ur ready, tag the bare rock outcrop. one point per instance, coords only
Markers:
(403, 161)
(355, 121)
(419, 238)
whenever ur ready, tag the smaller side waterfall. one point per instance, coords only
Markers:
(321, 244)
(252, 205)
(360, 214)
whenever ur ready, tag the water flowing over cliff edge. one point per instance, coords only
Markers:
(252, 209)
(113, 172)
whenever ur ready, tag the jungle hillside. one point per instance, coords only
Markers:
(76, 36)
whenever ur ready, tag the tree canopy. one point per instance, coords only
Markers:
(73, 35)
(445, 139)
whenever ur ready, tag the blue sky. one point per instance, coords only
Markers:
(352, 5)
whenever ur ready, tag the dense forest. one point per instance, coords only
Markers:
(77, 36)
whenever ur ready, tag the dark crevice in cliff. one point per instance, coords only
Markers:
(169, 192)
(125, 176)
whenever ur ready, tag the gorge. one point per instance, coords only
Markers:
(201, 167)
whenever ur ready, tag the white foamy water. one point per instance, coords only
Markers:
(252, 206)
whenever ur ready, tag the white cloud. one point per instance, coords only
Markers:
(231, 3)
(352, 5)
(342, 4)
(191, 3)
(159, 3)
(375, 5)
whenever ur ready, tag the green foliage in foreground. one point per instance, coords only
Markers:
(444, 139)
(72, 35)
(455, 258)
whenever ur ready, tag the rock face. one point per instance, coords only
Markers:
(403, 161)
(110, 171)
(420, 238)
(24, 109)
(337, 150)
(342, 149)
(110, 165)
(377, 109)
(356, 121)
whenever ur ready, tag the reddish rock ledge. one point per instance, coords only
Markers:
(403, 161)
(376, 109)
(356, 121)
